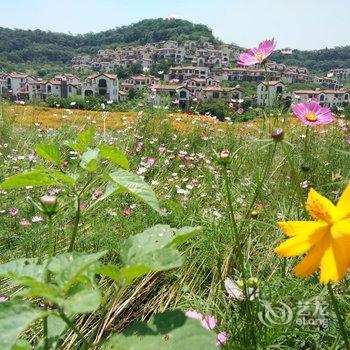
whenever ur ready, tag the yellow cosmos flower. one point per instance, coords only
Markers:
(326, 240)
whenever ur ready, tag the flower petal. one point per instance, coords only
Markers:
(319, 207)
(311, 261)
(294, 228)
(343, 205)
(301, 243)
(334, 262)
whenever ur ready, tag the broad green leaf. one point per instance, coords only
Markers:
(156, 237)
(49, 152)
(124, 275)
(171, 330)
(114, 155)
(84, 139)
(36, 289)
(158, 260)
(90, 160)
(68, 268)
(37, 177)
(184, 234)
(133, 184)
(15, 317)
(82, 302)
(55, 327)
(22, 345)
(22, 268)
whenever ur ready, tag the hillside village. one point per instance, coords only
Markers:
(198, 72)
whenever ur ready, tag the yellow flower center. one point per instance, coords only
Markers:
(311, 117)
(259, 56)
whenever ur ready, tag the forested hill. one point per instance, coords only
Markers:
(19, 46)
(317, 60)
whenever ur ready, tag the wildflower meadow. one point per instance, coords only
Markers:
(155, 229)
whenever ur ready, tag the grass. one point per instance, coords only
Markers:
(190, 184)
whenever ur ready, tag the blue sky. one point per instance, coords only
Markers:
(303, 24)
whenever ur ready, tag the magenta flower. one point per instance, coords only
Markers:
(139, 147)
(258, 54)
(24, 223)
(13, 212)
(209, 323)
(313, 114)
(221, 338)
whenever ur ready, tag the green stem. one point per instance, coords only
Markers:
(239, 251)
(269, 161)
(339, 317)
(51, 253)
(294, 172)
(76, 225)
(51, 240)
(87, 344)
(306, 144)
(229, 201)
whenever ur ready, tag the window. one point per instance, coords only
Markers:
(183, 94)
(216, 95)
(322, 98)
(346, 97)
(49, 89)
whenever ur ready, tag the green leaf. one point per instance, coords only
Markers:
(22, 268)
(15, 317)
(82, 302)
(90, 160)
(171, 330)
(37, 177)
(183, 234)
(55, 327)
(84, 139)
(125, 275)
(114, 155)
(156, 237)
(134, 185)
(69, 268)
(22, 345)
(49, 152)
(158, 260)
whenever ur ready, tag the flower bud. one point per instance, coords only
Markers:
(49, 204)
(225, 154)
(278, 134)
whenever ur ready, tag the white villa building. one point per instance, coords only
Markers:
(269, 91)
(101, 85)
(327, 98)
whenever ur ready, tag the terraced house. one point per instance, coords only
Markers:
(103, 85)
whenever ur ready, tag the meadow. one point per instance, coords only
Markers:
(233, 180)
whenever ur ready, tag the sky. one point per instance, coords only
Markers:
(297, 24)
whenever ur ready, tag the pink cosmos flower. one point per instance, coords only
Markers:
(209, 323)
(312, 113)
(221, 338)
(139, 147)
(151, 161)
(24, 223)
(162, 149)
(37, 218)
(13, 212)
(240, 110)
(128, 212)
(258, 54)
